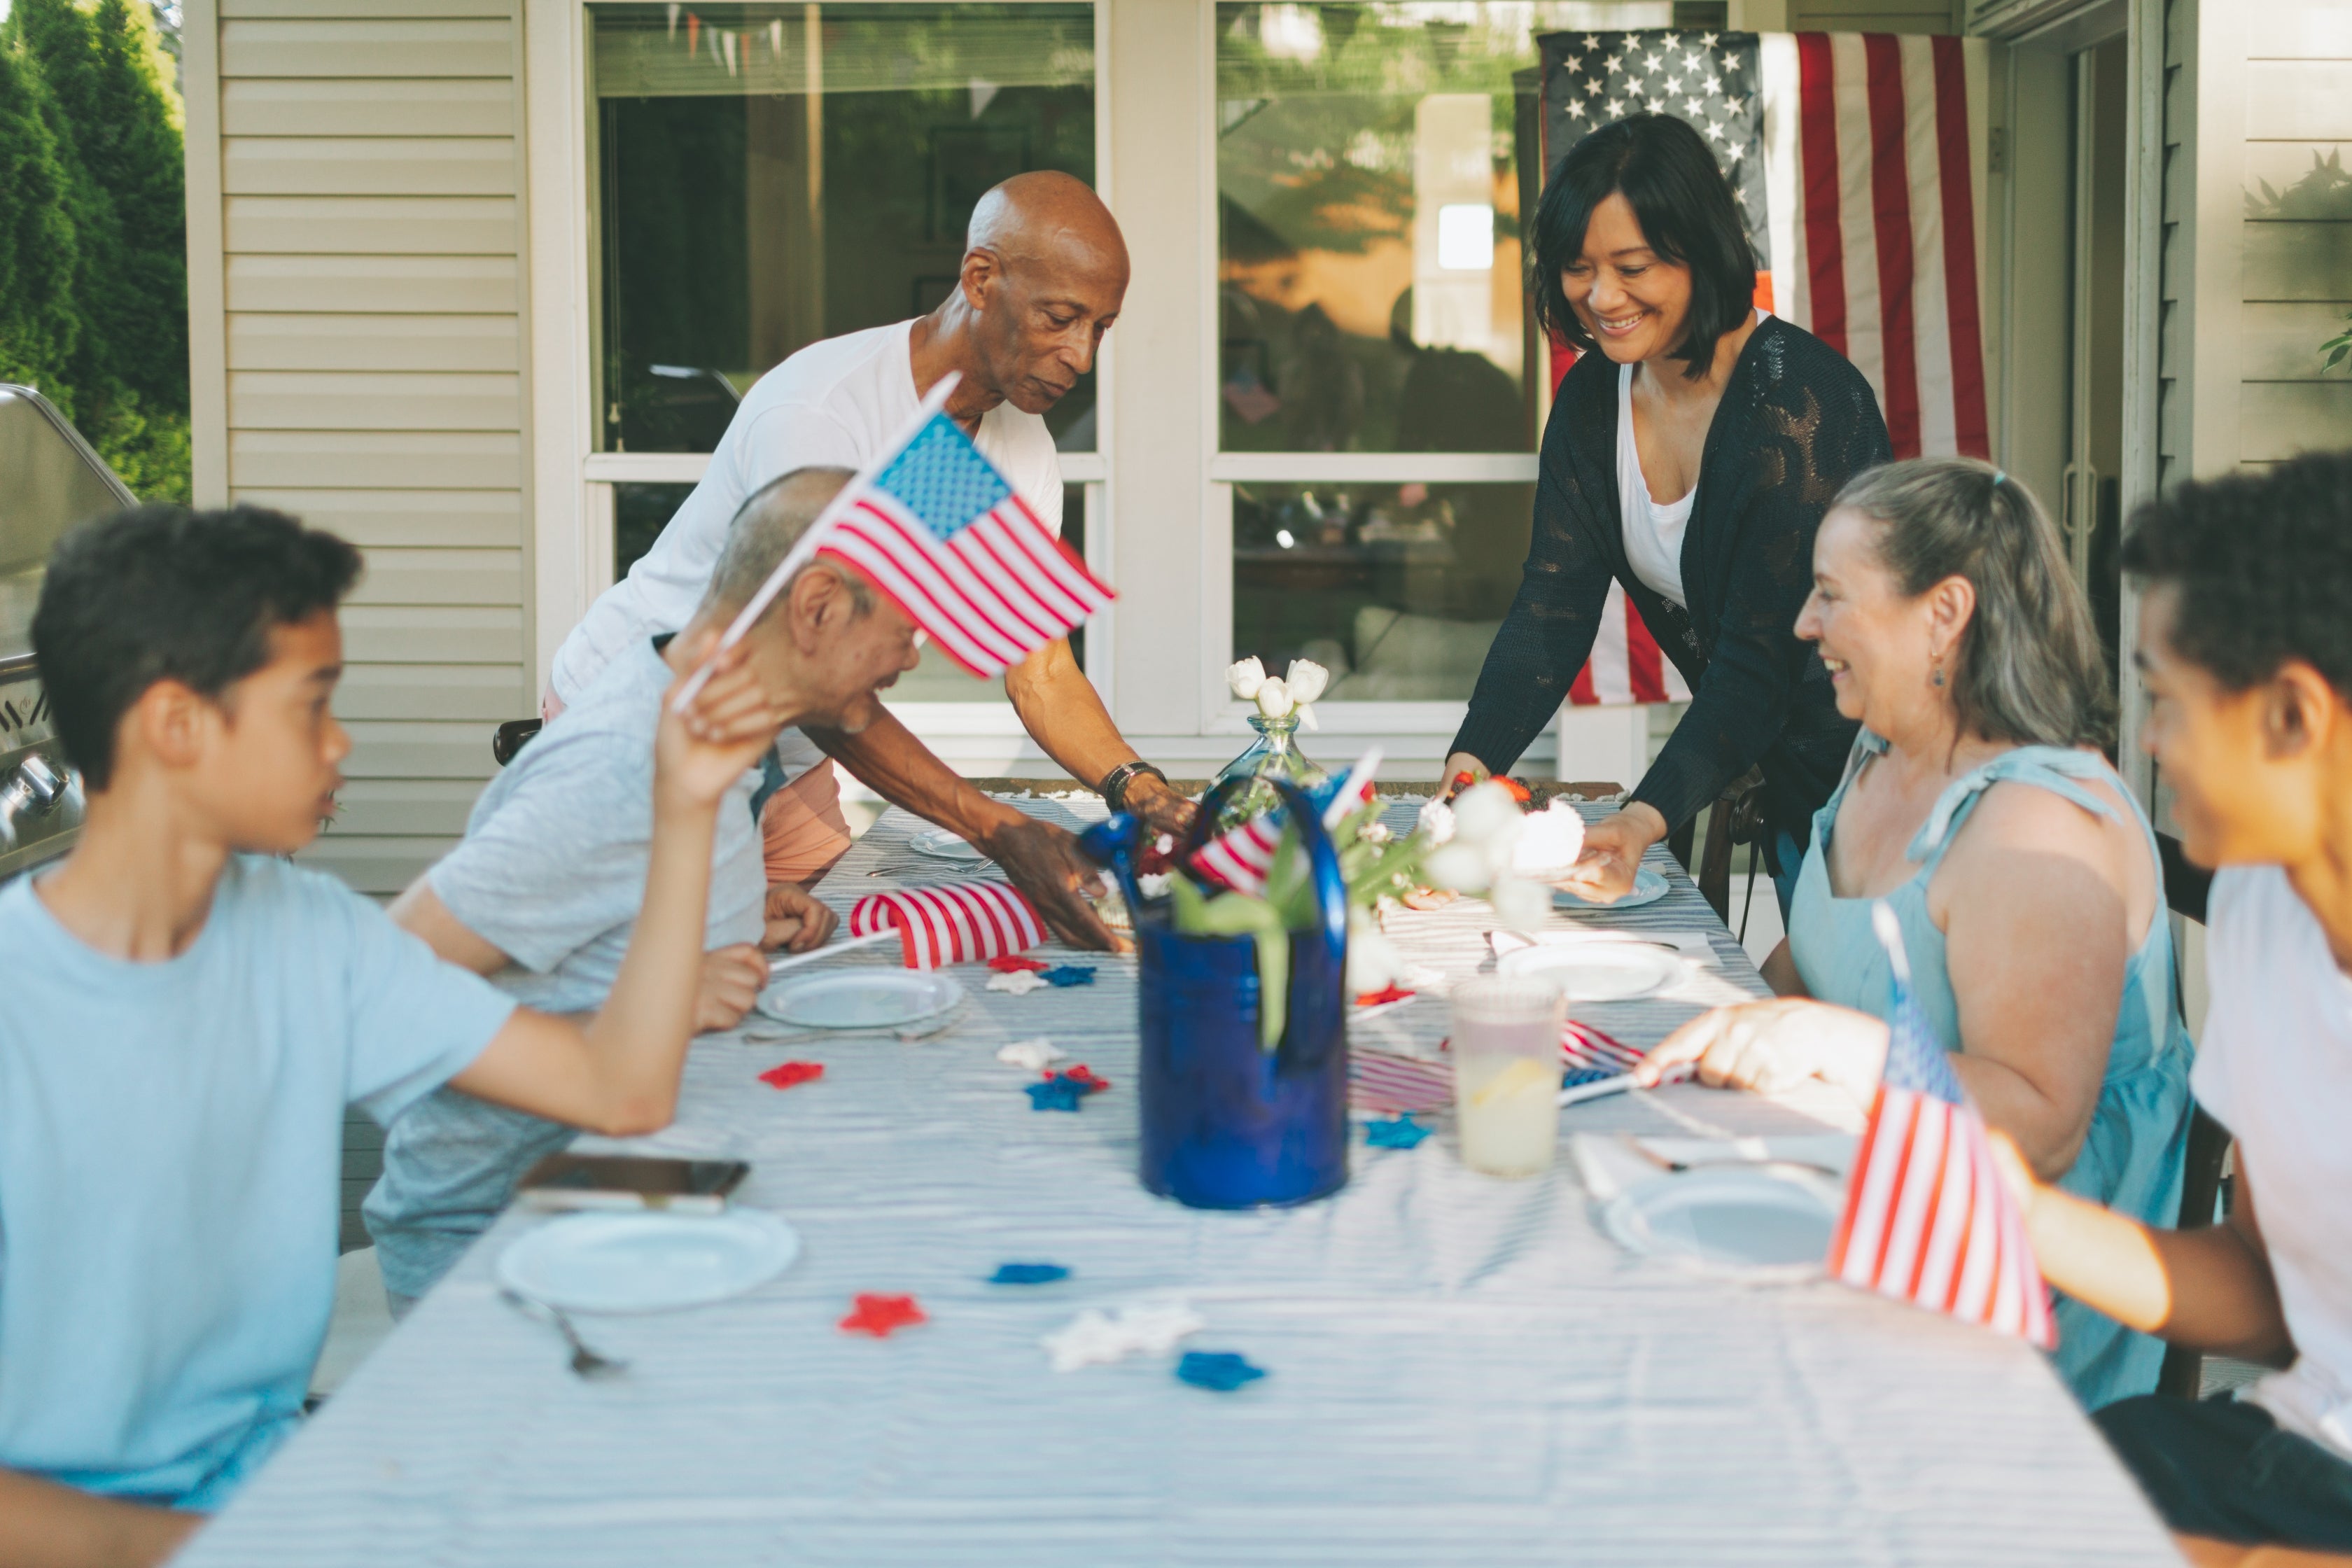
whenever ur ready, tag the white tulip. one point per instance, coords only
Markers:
(1519, 905)
(1373, 962)
(1461, 866)
(1274, 697)
(1306, 680)
(1244, 676)
(1486, 811)
(1550, 842)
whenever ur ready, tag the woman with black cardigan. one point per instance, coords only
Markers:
(1749, 425)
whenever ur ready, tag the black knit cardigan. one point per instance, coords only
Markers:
(1796, 421)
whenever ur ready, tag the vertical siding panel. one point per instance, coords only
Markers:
(365, 166)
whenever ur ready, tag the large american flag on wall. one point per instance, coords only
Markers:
(1858, 160)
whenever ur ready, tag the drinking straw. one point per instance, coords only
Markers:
(778, 965)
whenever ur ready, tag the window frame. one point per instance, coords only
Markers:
(1221, 713)
(572, 482)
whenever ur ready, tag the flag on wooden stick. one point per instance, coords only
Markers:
(1929, 1218)
(941, 534)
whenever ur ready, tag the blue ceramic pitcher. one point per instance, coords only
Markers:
(1228, 1125)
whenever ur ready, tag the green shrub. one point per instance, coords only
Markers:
(93, 235)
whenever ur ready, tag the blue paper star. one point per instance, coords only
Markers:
(1220, 1369)
(1028, 1274)
(1056, 1093)
(1070, 974)
(1394, 1132)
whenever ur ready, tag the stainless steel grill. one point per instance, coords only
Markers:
(49, 480)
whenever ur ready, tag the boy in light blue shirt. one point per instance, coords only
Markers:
(187, 1013)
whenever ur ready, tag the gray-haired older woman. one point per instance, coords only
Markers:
(1979, 806)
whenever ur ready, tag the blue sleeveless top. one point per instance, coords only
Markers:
(2131, 1160)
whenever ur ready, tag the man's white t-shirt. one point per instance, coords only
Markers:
(2275, 1068)
(834, 403)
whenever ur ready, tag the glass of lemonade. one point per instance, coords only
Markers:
(1507, 1073)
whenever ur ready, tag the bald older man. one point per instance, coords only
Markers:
(1045, 272)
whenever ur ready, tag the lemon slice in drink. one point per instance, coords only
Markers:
(1527, 1076)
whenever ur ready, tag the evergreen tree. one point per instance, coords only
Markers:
(114, 128)
(37, 250)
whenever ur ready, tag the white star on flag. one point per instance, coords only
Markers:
(1596, 89)
(1706, 40)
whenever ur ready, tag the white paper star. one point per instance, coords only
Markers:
(1036, 1054)
(1094, 1337)
(1019, 982)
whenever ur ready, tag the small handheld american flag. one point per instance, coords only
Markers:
(1241, 857)
(963, 922)
(1929, 1218)
(943, 536)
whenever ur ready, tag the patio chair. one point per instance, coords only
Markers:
(2203, 1193)
(1737, 818)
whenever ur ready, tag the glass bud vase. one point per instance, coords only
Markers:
(1274, 753)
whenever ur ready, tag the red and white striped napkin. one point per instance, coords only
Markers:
(962, 922)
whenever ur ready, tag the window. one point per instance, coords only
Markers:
(1371, 188)
(1396, 589)
(771, 175)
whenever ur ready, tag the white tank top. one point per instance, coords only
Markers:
(1654, 529)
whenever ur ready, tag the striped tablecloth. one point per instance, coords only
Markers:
(1462, 1370)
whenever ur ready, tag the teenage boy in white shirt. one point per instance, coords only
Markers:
(188, 1013)
(2245, 647)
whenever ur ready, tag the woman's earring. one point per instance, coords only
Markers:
(1939, 675)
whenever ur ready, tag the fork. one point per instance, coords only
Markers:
(586, 1362)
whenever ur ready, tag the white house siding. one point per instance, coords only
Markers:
(2297, 280)
(366, 367)
(2171, 404)
(1872, 17)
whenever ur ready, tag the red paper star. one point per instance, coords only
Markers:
(882, 1315)
(785, 1075)
(1083, 1074)
(1011, 964)
(1385, 994)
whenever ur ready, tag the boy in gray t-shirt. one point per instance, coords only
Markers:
(543, 893)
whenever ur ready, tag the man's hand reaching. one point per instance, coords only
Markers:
(1162, 808)
(1045, 863)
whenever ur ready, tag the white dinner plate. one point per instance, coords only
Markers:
(860, 999)
(941, 844)
(1649, 887)
(647, 1262)
(1595, 971)
(1759, 1221)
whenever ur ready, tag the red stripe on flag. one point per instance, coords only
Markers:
(1854, 1183)
(1817, 136)
(881, 585)
(1907, 1146)
(1643, 664)
(911, 547)
(1890, 206)
(1961, 249)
